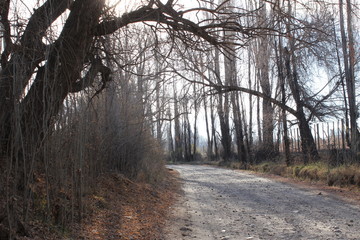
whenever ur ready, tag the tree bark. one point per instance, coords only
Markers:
(209, 151)
(280, 66)
(230, 78)
(349, 63)
(194, 153)
(213, 130)
(223, 112)
(307, 140)
(262, 64)
(250, 132)
(15, 74)
(177, 130)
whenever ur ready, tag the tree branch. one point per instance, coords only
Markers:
(31, 49)
(87, 81)
(224, 88)
(4, 13)
(262, 95)
(164, 14)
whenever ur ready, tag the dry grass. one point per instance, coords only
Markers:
(272, 167)
(123, 209)
(119, 209)
(345, 175)
(314, 172)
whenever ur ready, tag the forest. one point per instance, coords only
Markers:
(92, 87)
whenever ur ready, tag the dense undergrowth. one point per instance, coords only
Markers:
(118, 208)
(48, 193)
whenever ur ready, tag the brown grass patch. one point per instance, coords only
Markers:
(123, 209)
(344, 176)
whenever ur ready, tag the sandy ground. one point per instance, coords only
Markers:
(226, 204)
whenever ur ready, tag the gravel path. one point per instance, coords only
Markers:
(227, 204)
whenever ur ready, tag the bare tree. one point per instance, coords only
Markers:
(349, 64)
(39, 71)
(262, 57)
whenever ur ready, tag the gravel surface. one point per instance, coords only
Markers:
(228, 204)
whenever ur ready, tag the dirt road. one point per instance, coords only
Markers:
(226, 204)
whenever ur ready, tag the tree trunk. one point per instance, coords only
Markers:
(258, 111)
(307, 140)
(158, 111)
(213, 130)
(346, 110)
(250, 132)
(195, 125)
(231, 79)
(281, 76)
(177, 130)
(223, 112)
(209, 151)
(349, 63)
(170, 138)
(16, 73)
(308, 144)
(262, 65)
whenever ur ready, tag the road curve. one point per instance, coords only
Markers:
(227, 204)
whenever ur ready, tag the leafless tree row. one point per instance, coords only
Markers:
(292, 72)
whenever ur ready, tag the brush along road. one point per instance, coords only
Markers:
(226, 204)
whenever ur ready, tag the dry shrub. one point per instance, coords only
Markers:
(91, 139)
(152, 168)
(277, 168)
(309, 173)
(296, 170)
(237, 165)
(280, 170)
(262, 167)
(270, 167)
(313, 172)
(344, 176)
(262, 154)
(336, 176)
